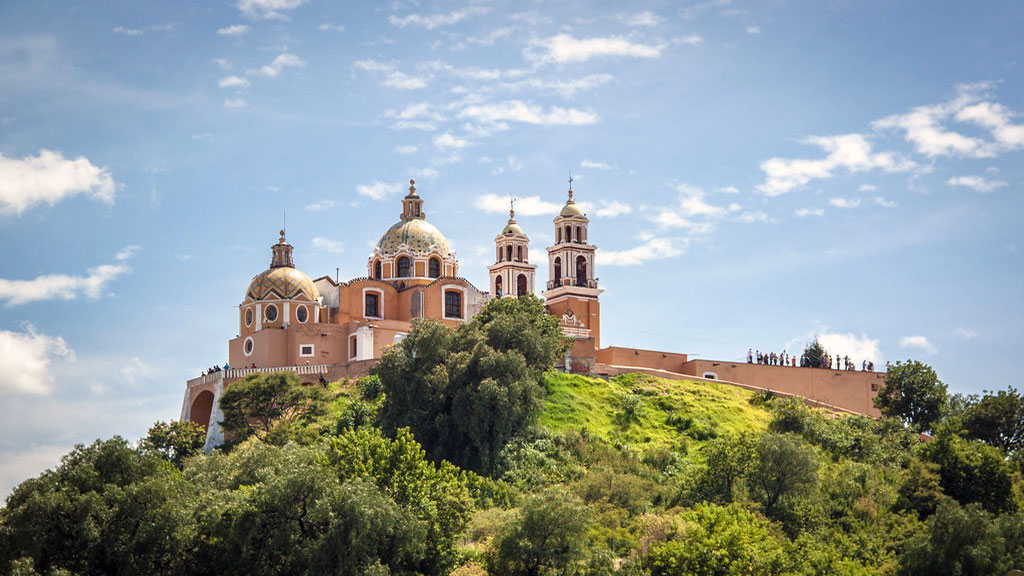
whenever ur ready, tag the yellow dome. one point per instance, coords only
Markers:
(512, 228)
(418, 234)
(285, 283)
(571, 209)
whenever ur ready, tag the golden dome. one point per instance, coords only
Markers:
(512, 228)
(418, 234)
(285, 283)
(571, 209)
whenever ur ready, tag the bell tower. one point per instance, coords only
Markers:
(572, 292)
(512, 274)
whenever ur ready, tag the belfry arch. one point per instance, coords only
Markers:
(202, 407)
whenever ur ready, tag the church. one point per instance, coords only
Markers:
(328, 330)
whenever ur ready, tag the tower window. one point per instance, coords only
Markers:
(301, 314)
(452, 304)
(579, 234)
(248, 316)
(497, 286)
(568, 233)
(558, 236)
(558, 271)
(248, 346)
(377, 270)
(581, 271)
(519, 253)
(403, 267)
(271, 313)
(435, 268)
(521, 285)
(371, 308)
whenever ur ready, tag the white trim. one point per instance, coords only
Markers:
(259, 317)
(301, 307)
(276, 313)
(312, 351)
(248, 340)
(380, 303)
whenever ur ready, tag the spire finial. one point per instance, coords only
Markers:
(512, 207)
(570, 186)
(412, 186)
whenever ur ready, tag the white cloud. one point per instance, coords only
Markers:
(563, 48)
(652, 249)
(222, 63)
(805, 212)
(749, 217)
(235, 103)
(613, 209)
(845, 202)
(867, 188)
(753, 29)
(406, 148)
(691, 40)
(65, 286)
(327, 245)
(512, 164)
(393, 78)
(128, 31)
(924, 126)
(321, 205)
(919, 342)
(446, 140)
(282, 61)
(976, 183)
(268, 9)
(851, 152)
(528, 206)
(596, 165)
(966, 334)
(236, 30)
(883, 202)
(233, 82)
(691, 202)
(127, 252)
(645, 18)
(858, 349)
(27, 356)
(49, 178)
(377, 190)
(727, 190)
(519, 111)
(436, 20)
(327, 27)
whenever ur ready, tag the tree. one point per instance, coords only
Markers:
(912, 393)
(997, 419)
(814, 354)
(256, 404)
(547, 536)
(728, 460)
(176, 440)
(465, 393)
(970, 471)
(784, 466)
(965, 540)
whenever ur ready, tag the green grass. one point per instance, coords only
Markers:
(669, 411)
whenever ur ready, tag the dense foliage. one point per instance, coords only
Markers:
(634, 476)
(914, 394)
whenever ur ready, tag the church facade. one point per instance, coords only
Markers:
(324, 329)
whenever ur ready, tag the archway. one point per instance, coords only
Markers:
(377, 270)
(558, 271)
(497, 286)
(201, 408)
(435, 268)
(581, 271)
(521, 287)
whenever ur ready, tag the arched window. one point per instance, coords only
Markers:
(403, 267)
(519, 253)
(568, 233)
(508, 253)
(521, 287)
(558, 235)
(497, 253)
(377, 270)
(579, 234)
(558, 271)
(581, 271)
(497, 286)
(435, 268)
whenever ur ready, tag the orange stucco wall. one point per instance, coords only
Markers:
(652, 359)
(850, 390)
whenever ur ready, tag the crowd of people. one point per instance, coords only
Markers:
(826, 361)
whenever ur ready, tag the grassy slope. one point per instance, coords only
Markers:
(698, 409)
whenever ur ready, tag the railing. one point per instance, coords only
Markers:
(305, 370)
(552, 284)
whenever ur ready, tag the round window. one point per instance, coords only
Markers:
(248, 346)
(301, 315)
(271, 313)
(248, 317)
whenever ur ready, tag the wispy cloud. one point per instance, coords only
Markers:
(596, 165)
(93, 285)
(613, 209)
(447, 140)
(879, 200)
(235, 103)
(844, 202)
(282, 61)
(966, 334)
(235, 31)
(233, 82)
(858, 348)
(806, 212)
(406, 148)
(268, 9)
(976, 183)
(920, 343)
(136, 32)
(327, 245)
(393, 78)
(49, 178)
(432, 21)
(646, 19)
(653, 248)
(519, 111)
(753, 29)
(527, 206)
(564, 48)
(27, 356)
(321, 206)
(378, 190)
(328, 27)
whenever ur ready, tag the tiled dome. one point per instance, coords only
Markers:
(418, 234)
(283, 283)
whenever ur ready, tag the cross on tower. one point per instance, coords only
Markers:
(512, 206)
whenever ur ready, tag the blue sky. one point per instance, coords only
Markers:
(755, 174)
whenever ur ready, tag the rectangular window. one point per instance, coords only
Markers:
(353, 348)
(452, 304)
(306, 350)
(372, 308)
